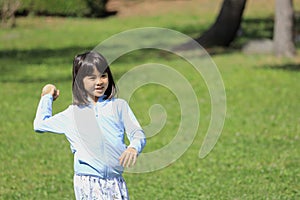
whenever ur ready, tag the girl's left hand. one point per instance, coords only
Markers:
(128, 157)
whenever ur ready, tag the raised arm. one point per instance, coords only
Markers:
(44, 121)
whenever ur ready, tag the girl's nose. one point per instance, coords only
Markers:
(99, 81)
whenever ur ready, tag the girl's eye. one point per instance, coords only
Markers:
(104, 75)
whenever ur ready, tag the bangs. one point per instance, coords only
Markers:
(87, 69)
(90, 62)
(101, 67)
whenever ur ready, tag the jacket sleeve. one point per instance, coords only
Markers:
(134, 132)
(44, 121)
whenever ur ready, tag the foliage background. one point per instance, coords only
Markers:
(69, 8)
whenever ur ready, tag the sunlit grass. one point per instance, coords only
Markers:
(256, 157)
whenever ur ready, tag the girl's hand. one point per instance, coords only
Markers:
(50, 89)
(128, 157)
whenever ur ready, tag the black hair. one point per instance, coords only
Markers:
(84, 65)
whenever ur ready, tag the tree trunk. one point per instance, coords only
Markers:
(8, 9)
(225, 28)
(283, 29)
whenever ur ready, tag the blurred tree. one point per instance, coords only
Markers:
(284, 44)
(226, 26)
(8, 10)
(98, 8)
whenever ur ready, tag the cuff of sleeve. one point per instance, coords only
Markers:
(49, 96)
(137, 144)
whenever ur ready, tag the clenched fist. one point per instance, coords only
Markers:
(50, 89)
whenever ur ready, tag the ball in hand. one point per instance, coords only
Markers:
(47, 89)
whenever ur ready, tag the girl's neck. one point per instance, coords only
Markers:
(95, 100)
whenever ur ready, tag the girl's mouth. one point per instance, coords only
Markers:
(99, 89)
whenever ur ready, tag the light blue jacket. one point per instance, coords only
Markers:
(95, 133)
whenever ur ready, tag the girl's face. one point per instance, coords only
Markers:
(95, 84)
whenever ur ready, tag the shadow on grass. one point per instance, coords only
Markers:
(38, 56)
(35, 79)
(17, 65)
(41, 65)
(287, 67)
(257, 27)
(251, 28)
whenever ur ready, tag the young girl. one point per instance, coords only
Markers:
(94, 125)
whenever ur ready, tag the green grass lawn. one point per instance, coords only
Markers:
(256, 157)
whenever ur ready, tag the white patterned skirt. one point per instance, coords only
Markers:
(95, 188)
